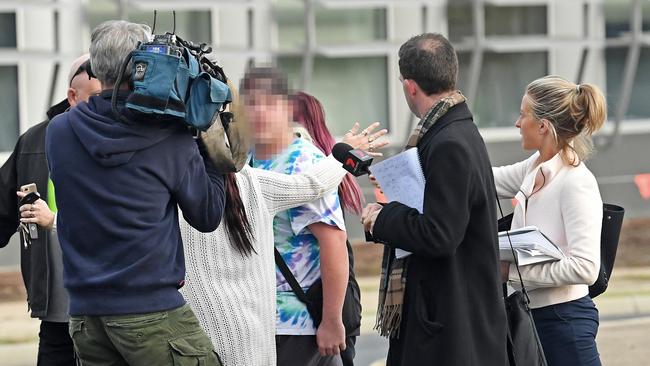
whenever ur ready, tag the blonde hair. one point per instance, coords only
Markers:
(574, 112)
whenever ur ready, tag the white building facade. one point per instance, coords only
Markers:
(345, 53)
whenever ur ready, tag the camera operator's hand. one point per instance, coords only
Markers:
(36, 213)
(365, 140)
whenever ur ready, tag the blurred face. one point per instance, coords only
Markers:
(269, 115)
(531, 130)
(82, 88)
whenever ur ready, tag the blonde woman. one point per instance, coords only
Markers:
(556, 192)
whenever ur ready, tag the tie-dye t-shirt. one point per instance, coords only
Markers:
(295, 242)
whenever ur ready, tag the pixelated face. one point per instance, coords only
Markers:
(269, 114)
(529, 127)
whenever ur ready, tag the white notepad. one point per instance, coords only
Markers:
(530, 245)
(402, 180)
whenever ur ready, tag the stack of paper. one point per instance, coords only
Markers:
(530, 245)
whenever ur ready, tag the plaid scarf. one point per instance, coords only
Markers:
(392, 285)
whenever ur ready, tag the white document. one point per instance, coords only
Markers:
(402, 180)
(530, 245)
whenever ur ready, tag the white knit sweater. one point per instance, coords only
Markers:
(568, 209)
(233, 296)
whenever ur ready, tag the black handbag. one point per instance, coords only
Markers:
(523, 345)
(609, 235)
(313, 298)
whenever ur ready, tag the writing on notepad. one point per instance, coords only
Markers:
(402, 180)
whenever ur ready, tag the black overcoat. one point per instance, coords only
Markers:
(27, 164)
(453, 312)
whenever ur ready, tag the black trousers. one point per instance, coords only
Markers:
(301, 350)
(55, 345)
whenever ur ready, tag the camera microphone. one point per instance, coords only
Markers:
(355, 161)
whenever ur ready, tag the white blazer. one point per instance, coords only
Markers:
(568, 209)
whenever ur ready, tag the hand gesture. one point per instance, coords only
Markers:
(366, 140)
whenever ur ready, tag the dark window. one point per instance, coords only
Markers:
(7, 30)
(350, 89)
(9, 106)
(504, 77)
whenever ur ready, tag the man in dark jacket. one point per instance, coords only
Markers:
(441, 305)
(119, 186)
(41, 264)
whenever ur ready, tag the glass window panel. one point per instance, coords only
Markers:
(7, 30)
(504, 77)
(515, 20)
(289, 15)
(499, 20)
(9, 106)
(350, 26)
(639, 106)
(460, 21)
(350, 89)
(333, 26)
(617, 17)
(99, 11)
(190, 25)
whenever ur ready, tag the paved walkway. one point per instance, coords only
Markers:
(623, 336)
(622, 339)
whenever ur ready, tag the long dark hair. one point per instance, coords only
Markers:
(308, 111)
(237, 226)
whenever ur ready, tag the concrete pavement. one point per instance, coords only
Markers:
(622, 339)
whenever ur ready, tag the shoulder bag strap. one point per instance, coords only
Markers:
(514, 256)
(291, 279)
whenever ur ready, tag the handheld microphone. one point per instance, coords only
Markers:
(355, 161)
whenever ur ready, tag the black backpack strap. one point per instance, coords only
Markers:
(286, 272)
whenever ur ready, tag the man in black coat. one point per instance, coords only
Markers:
(41, 262)
(442, 305)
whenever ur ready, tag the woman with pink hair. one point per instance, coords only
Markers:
(309, 113)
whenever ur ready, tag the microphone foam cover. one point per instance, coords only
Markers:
(340, 151)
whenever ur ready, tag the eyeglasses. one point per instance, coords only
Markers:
(84, 67)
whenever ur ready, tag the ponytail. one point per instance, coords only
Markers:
(575, 112)
(588, 108)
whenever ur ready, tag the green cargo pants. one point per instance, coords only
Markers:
(172, 337)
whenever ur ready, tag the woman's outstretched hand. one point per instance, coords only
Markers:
(365, 139)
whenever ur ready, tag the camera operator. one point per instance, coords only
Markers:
(41, 263)
(119, 184)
